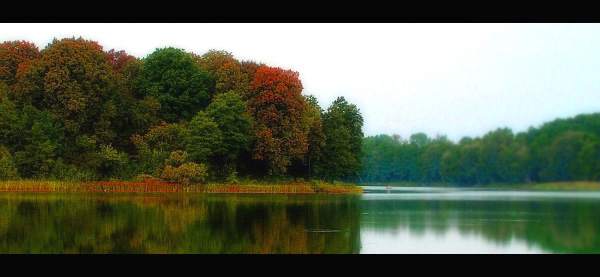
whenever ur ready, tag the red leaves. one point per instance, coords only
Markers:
(279, 110)
(118, 59)
(13, 55)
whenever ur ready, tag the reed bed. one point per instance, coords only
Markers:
(58, 186)
(258, 188)
(154, 186)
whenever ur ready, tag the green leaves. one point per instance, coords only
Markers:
(77, 112)
(73, 80)
(204, 138)
(342, 126)
(174, 78)
(229, 113)
(8, 169)
(561, 150)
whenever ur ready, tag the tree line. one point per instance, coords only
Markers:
(74, 111)
(561, 150)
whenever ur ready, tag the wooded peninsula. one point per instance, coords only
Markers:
(74, 117)
(97, 120)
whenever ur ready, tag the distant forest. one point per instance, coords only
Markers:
(74, 111)
(561, 150)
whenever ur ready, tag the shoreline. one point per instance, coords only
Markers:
(162, 187)
(574, 185)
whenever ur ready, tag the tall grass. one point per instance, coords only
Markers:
(162, 187)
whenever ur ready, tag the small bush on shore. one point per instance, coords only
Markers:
(179, 171)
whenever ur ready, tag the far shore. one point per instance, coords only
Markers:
(577, 185)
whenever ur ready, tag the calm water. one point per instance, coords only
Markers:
(404, 220)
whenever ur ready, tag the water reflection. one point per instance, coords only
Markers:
(481, 221)
(403, 221)
(63, 223)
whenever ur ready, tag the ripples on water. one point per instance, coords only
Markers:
(403, 220)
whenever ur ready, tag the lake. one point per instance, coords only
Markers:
(403, 220)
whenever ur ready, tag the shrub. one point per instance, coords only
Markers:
(145, 178)
(185, 174)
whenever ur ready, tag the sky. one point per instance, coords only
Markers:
(449, 79)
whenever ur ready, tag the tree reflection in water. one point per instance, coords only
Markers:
(119, 223)
(63, 223)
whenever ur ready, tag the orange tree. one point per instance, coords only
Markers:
(12, 54)
(279, 112)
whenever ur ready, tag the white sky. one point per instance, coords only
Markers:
(453, 79)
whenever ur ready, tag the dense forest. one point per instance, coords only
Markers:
(561, 150)
(74, 111)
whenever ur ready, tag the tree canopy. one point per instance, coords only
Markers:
(74, 111)
(176, 80)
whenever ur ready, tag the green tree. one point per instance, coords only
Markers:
(174, 78)
(342, 154)
(203, 138)
(562, 156)
(43, 143)
(132, 116)
(430, 160)
(230, 77)
(112, 163)
(316, 137)
(8, 169)
(10, 115)
(420, 139)
(155, 146)
(72, 80)
(587, 164)
(229, 113)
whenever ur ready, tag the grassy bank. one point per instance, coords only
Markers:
(578, 185)
(161, 187)
(550, 186)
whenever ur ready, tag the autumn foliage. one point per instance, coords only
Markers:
(77, 113)
(73, 80)
(279, 111)
(12, 55)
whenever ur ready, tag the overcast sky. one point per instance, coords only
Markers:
(453, 79)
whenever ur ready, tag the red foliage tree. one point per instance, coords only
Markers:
(12, 54)
(118, 59)
(279, 111)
